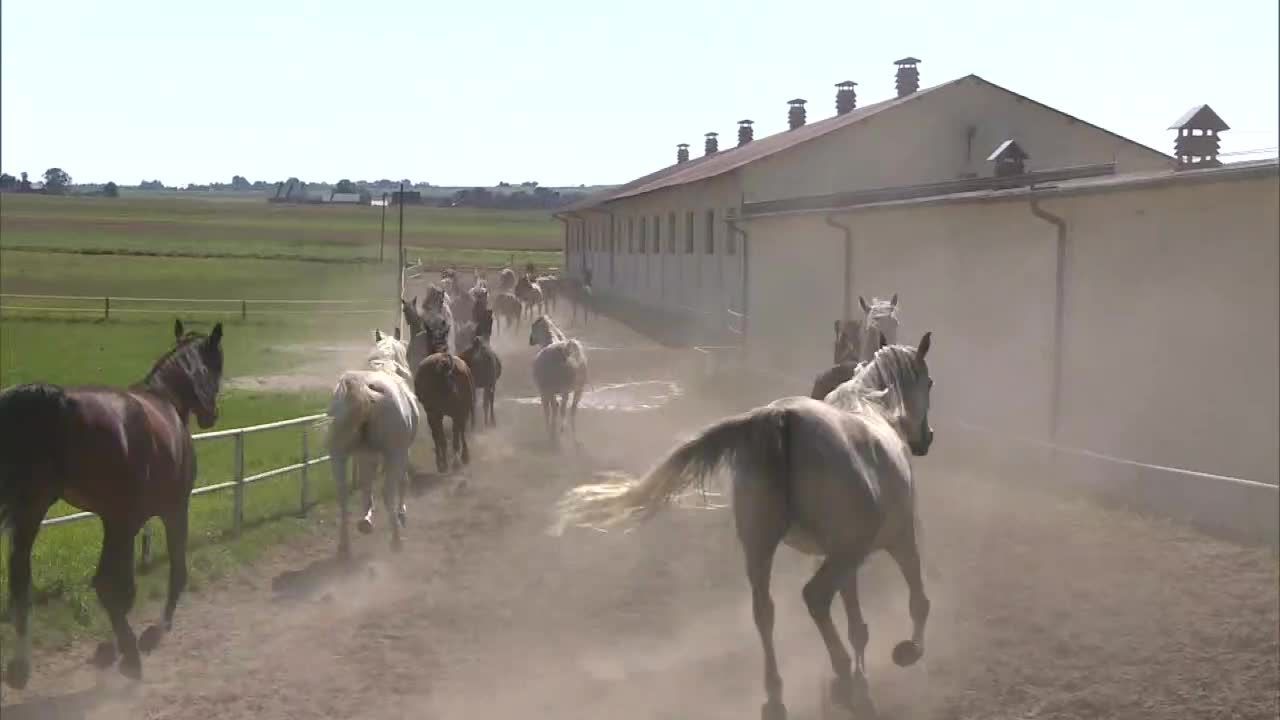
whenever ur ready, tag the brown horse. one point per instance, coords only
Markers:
(485, 366)
(125, 455)
(443, 385)
(507, 308)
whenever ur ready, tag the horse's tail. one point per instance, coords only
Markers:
(33, 428)
(757, 436)
(352, 403)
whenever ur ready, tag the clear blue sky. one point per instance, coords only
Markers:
(568, 92)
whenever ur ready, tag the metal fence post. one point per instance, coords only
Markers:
(244, 309)
(302, 510)
(106, 308)
(237, 509)
(144, 563)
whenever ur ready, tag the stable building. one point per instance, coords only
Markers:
(1075, 280)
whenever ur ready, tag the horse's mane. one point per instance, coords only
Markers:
(185, 345)
(877, 386)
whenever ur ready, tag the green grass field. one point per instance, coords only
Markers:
(232, 250)
(257, 229)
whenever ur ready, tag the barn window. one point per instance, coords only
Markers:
(711, 232)
(631, 236)
(671, 233)
(730, 241)
(644, 235)
(657, 235)
(688, 233)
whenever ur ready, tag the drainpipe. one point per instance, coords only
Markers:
(848, 263)
(1059, 309)
(746, 276)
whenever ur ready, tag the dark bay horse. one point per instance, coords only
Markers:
(485, 366)
(125, 455)
(443, 385)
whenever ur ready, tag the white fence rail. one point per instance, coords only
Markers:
(105, 305)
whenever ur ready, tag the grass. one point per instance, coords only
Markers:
(193, 227)
(180, 248)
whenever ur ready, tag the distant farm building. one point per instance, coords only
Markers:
(293, 190)
(1029, 240)
(348, 198)
(408, 197)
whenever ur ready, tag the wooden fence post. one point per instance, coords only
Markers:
(144, 563)
(106, 308)
(237, 503)
(244, 309)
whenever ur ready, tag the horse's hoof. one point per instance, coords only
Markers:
(150, 639)
(365, 526)
(105, 656)
(18, 673)
(131, 667)
(773, 710)
(907, 653)
(403, 518)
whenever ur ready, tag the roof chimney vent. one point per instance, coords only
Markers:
(745, 132)
(795, 115)
(1010, 159)
(712, 144)
(908, 79)
(1197, 143)
(682, 153)
(846, 97)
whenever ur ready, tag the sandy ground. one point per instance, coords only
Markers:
(1042, 607)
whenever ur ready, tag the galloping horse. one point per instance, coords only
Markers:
(531, 295)
(559, 369)
(507, 308)
(437, 303)
(829, 479)
(125, 455)
(486, 368)
(375, 416)
(550, 285)
(442, 383)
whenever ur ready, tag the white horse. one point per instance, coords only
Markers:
(879, 317)
(559, 370)
(375, 417)
(831, 479)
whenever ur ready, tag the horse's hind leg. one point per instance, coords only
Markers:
(857, 693)
(116, 590)
(339, 465)
(366, 472)
(175, 534)
(818, 594)
(395, 466)
(907, 554)
(490, 418)
(761, 519)
(25, 528)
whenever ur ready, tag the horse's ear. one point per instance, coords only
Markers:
(397, 332)
(923, 348)
(377, 335)
(177, 329)
(863, 303)
(215, 337)
(893, 302)
(883, 342)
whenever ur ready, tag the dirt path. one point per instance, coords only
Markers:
(1043, 608)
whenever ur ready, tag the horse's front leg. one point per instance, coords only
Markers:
(436, 421)
(26, 525)
(175, 535)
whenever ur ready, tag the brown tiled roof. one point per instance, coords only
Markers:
(709, 166)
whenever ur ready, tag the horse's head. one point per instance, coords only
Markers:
(901, 374)
(436, 298)
(192, 372)
(411, 316)
(880, 317)
(466, 332)
(436, 330)
(846, 343)
(540, 332)
(389, 350)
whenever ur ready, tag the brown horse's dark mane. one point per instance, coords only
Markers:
(188, 341)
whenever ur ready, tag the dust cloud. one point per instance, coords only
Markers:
(1044, 605)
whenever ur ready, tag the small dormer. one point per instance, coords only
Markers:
(1009, 158)
(1197, 143)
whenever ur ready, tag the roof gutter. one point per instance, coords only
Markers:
(847, 308)
(1059, 310)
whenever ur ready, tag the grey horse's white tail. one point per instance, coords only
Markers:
(352, 403)
(757, 437)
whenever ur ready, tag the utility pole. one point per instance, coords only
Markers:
(400, 266)
(382, 237)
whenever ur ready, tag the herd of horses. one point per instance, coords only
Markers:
(829, 475)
